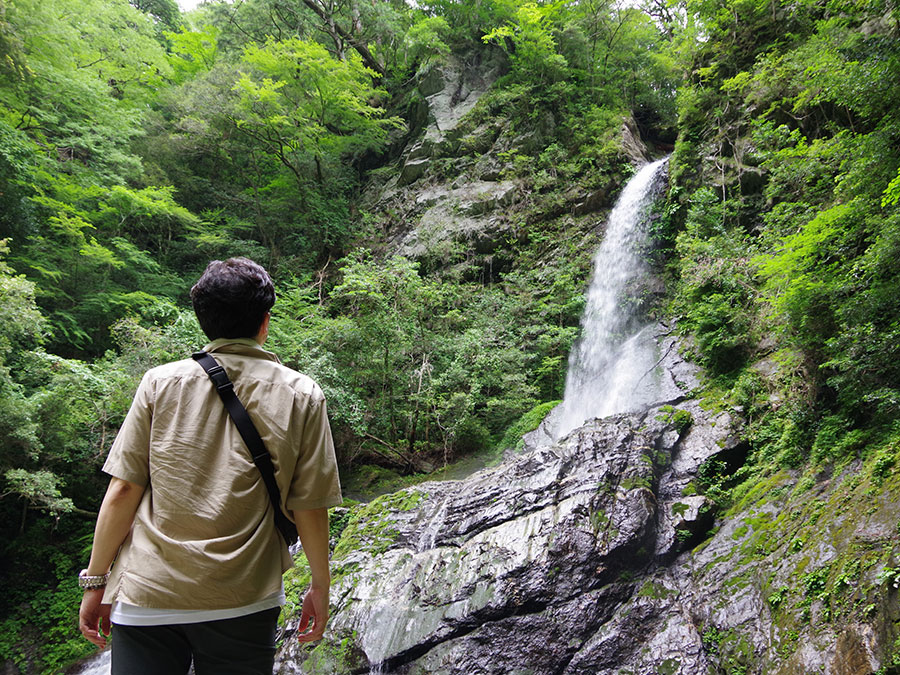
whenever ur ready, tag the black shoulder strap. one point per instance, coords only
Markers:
(251, 437)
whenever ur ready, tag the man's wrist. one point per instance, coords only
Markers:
(90, 582)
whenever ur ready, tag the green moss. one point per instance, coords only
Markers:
(371, 527)
(655, 591)
(296, 581)
(740, 532)
(757, 489)
(529, 421)
(730, 648)
(336, 654)
(677, 417)
(405, 500)
(338, 521)
(634, 483)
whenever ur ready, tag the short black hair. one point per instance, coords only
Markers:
(232, 297)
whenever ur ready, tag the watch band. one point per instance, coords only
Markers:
(91, 582)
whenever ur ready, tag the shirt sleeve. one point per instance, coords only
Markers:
(315, 483)
(129, 456)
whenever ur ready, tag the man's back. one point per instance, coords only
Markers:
(205, 536)
(187, 517)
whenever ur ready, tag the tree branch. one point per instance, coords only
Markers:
(361, 49)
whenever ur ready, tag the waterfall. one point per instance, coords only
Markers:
(96, 665)
(610, 366)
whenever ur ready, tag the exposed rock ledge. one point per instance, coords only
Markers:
(575, 557)
(526, 567)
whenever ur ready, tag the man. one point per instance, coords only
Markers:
(198, 559)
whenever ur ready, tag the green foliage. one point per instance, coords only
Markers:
(470, 20)
(715, 480)
(529, 421)
(815, 582)
(679, 418)
(437, 365)
(778, 597)
(307, 111)
(21, 323)
(885, 460)
(529, 41)
(712, 638)
(39, 489)
(891, 195)
(192, 52)
(425, 40)
(889, 575)
(312, 104)
(715, 291)
(787, 232)
(80, 85)
(133, 149)
(804, 276)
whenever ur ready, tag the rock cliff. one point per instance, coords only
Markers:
(599, 554)
(454, 184)
(526, 566)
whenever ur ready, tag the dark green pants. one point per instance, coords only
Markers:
(241, 646)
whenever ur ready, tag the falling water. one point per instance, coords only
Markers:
(98, 665)
(609, 367)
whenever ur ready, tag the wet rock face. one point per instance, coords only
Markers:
(529, 566)
(530, 549)
(582, 556)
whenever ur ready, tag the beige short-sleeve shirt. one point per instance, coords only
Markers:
(204, 536)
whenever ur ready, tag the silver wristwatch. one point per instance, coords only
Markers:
(89, 583)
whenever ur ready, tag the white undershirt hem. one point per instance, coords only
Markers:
(132, 615)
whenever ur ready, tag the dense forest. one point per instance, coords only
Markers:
(137, 143)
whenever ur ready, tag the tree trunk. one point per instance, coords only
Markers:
(362, 50)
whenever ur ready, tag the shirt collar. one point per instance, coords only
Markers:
(241, 346)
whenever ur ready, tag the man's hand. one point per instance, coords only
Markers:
(93, 619)
(315, 609)
(312, 526)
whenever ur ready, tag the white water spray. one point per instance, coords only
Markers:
(610, 366)
(98, 665)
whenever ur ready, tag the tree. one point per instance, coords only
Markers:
(529, 41)
(165, 12)
(326, 10)
(310, 112)
(308, 106)
(82, 85)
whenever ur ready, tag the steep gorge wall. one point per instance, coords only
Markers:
(455, 185)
